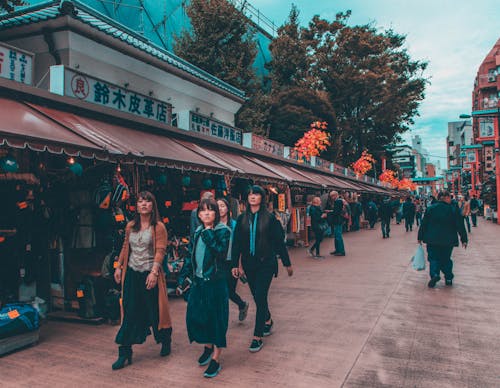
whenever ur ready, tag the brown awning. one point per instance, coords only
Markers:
(23, 127)
(286, 172)
(144, 147)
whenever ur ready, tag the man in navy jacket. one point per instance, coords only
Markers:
(440, 228)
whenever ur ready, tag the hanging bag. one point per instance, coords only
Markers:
(418, 259)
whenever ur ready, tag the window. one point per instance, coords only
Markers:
(492, 75)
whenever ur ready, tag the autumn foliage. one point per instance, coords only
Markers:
(363, 164)
(406, 184)
(314, 141)
(389, 176)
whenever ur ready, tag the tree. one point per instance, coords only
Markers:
(8, 5)
(220, 42)
(375, 87)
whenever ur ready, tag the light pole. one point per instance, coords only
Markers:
(495, 115)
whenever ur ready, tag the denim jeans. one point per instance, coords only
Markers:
(339, 242)
(439, 257)
(474, 219)
(466, 219)
(386, 227)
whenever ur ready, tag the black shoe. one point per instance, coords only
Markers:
(433, 281)
(213, 369)
(332, 253)
(205, 357)
(165, 348)
(267, 328)
(124, 355)
(243, 313)
(384, 237)
(319, 257)
(255, 346)
(339, 254)
(448, 282)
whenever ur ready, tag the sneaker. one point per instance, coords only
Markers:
(255, 346)
(267, 328)
(205, 357)
(448, 282)
(243, 312)
(339, 254)
(213, 369)
(433, 281)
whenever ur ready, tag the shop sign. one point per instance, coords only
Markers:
(66, 82)
(471, 156)
(263, 144)
(486, 127)
(211, 127)
(281, 202)
(488, 157)
(15, 64)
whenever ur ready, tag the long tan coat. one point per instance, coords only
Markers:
(160, 244)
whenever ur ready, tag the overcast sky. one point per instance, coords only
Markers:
(454, 36)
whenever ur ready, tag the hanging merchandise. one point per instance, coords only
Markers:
(186, 180)
(76, 168)
(162, 179)
(103, 195)
(9, 164)
(207, 184)
(121, 192)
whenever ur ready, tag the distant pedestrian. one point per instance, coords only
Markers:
(318, 221)
(419, 211)
(385, 214)
(439, 229)
(474, 210)
(399, 212)
(335, 218)
(371, 213)
(464, 206)
(356, 210)
(409, 214)
(257, 240)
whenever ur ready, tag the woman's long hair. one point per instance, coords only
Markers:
(255, 189)
(155, 214)
(228, 209)
(209, 204)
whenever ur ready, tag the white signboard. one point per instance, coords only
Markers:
(67, 82)
(210, 127)
(15, 64)
(486, 127)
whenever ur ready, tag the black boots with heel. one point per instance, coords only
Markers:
(124, 355)
(166, 345)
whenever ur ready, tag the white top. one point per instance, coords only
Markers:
(141, 250)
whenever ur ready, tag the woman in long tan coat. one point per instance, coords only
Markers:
(144, 292)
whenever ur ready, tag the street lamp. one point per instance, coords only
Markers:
(495, 115)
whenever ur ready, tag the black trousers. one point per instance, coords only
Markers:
(259, 280)
(318, 235)
(232, 282)
(409, 222)
(140, 307)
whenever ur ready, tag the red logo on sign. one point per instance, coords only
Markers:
(80, 86)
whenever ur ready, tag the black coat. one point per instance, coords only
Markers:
(408, 209)
(385, 211)
(441, 225)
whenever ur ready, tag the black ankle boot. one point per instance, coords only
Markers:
(124, 354)
(166, 347)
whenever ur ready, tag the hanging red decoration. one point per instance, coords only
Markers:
(363, 164)
(314, 141)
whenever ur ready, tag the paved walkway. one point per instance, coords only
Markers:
(364, 320)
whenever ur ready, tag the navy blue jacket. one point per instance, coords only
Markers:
(441, 225)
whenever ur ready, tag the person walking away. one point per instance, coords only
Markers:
(207, 314)
(318, 219)
(232, 282)
(466, 213)
(409, 213)
(385, 214)
(474, 210)
(399, 212)
(144, 290)
(440, 228)
(356, 211)
(335, 219)
(371, 213)
(257, 239)
(419, 211)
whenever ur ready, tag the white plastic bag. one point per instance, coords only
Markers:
(418, 259)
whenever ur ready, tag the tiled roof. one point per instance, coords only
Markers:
(54, 9)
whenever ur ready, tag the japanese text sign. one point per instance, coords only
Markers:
(214, 128)
(15, 64)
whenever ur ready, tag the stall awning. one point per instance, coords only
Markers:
(23, 127)
(286, 173)
(143, 147)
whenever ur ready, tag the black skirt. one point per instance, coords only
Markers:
(208, 312)
(140, 311)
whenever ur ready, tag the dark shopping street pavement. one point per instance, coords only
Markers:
(364, 320)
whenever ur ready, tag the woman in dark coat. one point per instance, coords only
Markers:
(318, 219)
(207, 313)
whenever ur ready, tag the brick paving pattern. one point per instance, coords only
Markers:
(363, 320)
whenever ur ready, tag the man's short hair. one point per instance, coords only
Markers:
(443, 193)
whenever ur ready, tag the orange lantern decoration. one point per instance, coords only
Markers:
(363, 164)
(314, 141)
